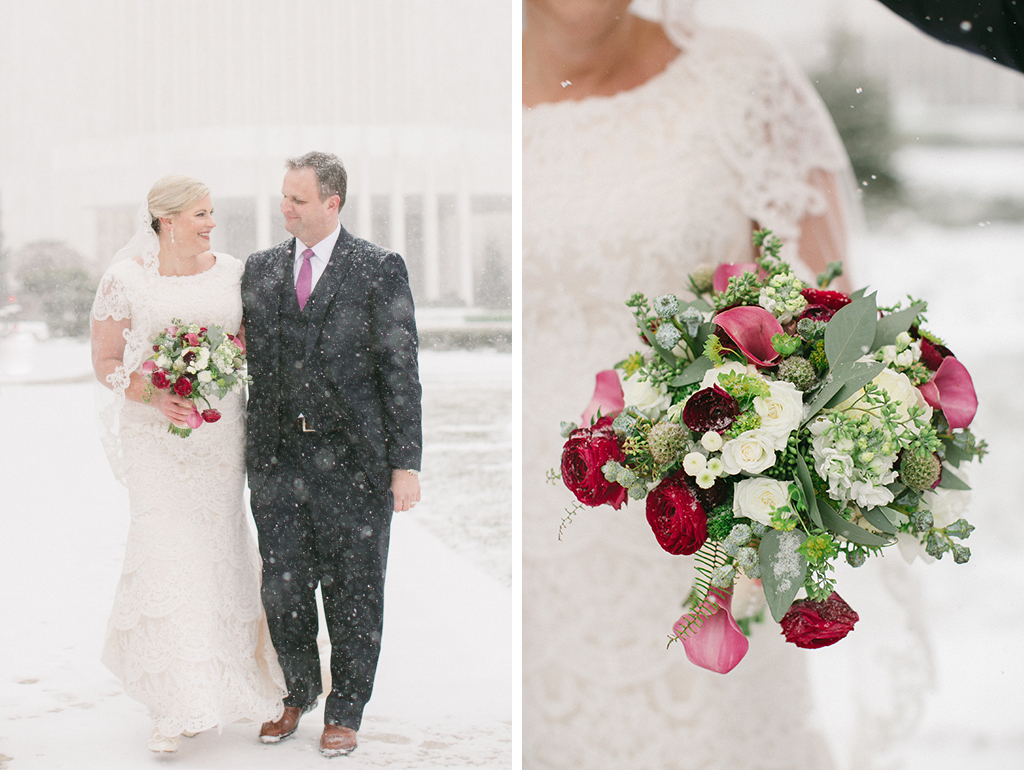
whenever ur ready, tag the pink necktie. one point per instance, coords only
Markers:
(305, 283)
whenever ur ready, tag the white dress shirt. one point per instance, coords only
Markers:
(321, 256)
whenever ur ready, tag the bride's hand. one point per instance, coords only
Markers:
(174, 407)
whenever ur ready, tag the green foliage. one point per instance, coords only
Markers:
(66, 294)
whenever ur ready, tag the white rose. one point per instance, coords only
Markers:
(711, 375)
(757, 498)
(903, 393)
(781, 412)
(205, 376)
(649, 399)
(163, 361)
(751, 451)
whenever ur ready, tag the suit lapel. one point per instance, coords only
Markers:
(326, 287)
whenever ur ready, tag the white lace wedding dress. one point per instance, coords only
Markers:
(621, 194)
(187, 635)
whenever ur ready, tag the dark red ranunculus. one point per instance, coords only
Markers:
(160, 379)
(183, 386)
(676, 516)
(810, 624)
(189, 357)
(822, 304)
(210, 415)
(710, 409)
(584, 454)
(833, 300)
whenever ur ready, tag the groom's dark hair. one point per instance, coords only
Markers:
(330, 173)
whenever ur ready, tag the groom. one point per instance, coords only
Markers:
(334, 441)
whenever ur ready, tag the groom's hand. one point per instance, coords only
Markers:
(405, 487)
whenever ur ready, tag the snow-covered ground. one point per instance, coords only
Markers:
(447, 690)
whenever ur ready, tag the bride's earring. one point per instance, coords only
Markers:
(171, 228)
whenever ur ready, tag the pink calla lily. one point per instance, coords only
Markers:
(952, 391)
(727, 270)
(193, 339)
(719, 645)
(149, 366)
(194, 419)
(751, 329)
(608, 398)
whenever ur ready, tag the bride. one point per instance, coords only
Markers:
(187, 635)
(649, 148)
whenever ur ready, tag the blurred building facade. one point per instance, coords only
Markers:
(99, 98)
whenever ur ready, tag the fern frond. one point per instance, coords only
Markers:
(707, 560)
(569, 513)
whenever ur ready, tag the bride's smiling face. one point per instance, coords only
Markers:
(192, 226)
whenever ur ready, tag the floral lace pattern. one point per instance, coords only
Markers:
(631, 193)
(187, 635)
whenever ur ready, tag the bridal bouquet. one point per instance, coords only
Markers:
(774, 428)
(196, 362)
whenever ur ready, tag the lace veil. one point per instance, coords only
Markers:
(115, 300)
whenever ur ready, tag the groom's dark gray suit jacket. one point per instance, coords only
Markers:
(359, 384)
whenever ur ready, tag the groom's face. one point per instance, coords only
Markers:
(306, 216)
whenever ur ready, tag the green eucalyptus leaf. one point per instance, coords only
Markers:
(951, 481)
(783, 569)
(693, 373)
(879, 520)
(897, 518)
(955, 455)
(838, 525)
(850, 332)
(854, 375)
(859, 293)
(890, 326)
(803, 475)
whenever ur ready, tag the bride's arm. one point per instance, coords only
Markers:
(108, 355)
(823, 237)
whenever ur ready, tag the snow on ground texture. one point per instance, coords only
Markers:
(447, 685)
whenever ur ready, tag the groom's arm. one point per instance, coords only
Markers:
(992, 28)
(397, 369)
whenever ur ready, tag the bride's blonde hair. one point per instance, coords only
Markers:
(173, 194)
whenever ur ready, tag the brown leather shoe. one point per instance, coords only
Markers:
(272, 732)
(337, 740)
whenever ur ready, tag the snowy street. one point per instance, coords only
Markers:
(447, 687)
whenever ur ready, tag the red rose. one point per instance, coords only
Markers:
(811, 624)
(183, 386)
(710, 409)
(676, 516)
(583, 456)
(210, 415)
(160, 379)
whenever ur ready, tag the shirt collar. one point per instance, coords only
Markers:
(321, 251)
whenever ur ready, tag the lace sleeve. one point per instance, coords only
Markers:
(111, 299)
(781, 140)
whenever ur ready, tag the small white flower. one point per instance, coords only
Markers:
(694, 463)
(706, 479)
(712, 441)
(163, 362)
(715, 466)
(205, 376)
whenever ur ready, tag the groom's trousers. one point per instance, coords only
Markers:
(321, 522)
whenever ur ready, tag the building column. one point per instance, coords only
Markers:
(364, 216)
(431, 237)
(396, 212)
(463, 218)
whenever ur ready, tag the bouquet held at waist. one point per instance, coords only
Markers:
(197, 363)
(772, 429)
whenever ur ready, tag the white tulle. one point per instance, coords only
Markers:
(187, 635)
(631, 193)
